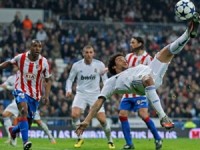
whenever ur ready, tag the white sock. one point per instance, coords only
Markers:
(155, 100)
(7, 123)
(75, 122)
(46, 129)
(107, 130)
(176, 46)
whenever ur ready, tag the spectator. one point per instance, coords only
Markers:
(41, 34)
(27, 26)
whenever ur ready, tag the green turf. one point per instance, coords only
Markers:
(101, 144)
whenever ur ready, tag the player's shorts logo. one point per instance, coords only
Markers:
(141, 102)
(21, 95)
(30, 76)
(138, 102)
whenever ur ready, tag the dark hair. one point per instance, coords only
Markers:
(140, 40)
(111, 63)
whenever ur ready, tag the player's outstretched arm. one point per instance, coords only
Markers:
(5, 64)
(93, 111)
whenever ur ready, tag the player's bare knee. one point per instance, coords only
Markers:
(5, 114)
(147, 80)
(143, 113)
(76, 112)
(75, 115)
(102, 121)
(38, 122)
(123, 113)
(24, 112)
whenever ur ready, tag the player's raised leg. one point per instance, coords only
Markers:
(168, 52)
(160, 64)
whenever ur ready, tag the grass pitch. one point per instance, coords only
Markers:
(101, 144)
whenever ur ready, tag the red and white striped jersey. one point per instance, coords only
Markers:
(134, 60)
(31, 74)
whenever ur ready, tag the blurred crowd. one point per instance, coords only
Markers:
(180, 93)
(128, 11)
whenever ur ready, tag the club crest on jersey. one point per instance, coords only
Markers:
(95, 70)
(30, 76)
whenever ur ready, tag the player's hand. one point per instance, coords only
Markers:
(68, 94)
(46, 100)
(81, 127)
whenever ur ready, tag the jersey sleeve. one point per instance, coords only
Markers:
(108, 89)
(70, 80)
(16, 59)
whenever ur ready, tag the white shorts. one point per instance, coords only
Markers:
(158, 71)
(12, 108)
(82, 100)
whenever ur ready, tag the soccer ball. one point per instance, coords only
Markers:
(184, 9)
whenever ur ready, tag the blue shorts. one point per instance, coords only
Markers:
(133, 103)
(31, 102)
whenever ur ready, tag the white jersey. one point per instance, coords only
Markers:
(130, 80)
(30, 74)
(87, 77)
(9, 83)
(134, 60)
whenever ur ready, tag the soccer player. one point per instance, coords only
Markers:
(12, 110)
(133, 102)
(9, 85)
(33, 68)
(88, 73)
(141, 79)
